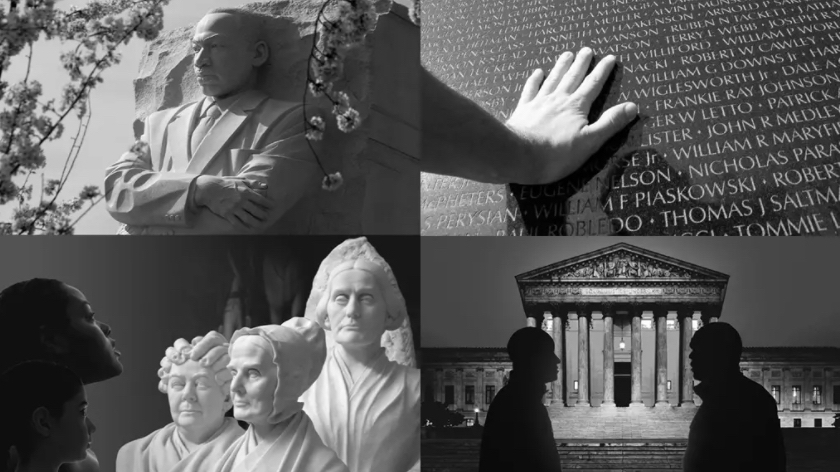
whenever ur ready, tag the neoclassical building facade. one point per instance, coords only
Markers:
(622, 319)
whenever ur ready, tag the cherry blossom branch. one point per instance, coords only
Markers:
(331, 41)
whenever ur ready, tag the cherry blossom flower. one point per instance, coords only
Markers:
(337, 31)
(332, 182)
(27, 121)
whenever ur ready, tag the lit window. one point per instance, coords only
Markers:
(671, 325)
(695, 325)
(469, 394)
(776, 391)
(470, 421)
(647, 324)
(797, 395)
(817, 395)
(576, 385)
(669, 385)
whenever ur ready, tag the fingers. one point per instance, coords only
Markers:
(576, 73)
(594, 82)
(257, 211)
(611, 122)
(532, 86)
(247, 219)
(259, 199)
(557, 73)
(255, 184)
(236, 223)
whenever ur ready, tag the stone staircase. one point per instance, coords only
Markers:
(461, 455)
(668, 423)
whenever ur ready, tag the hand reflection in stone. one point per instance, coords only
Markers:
(553, 116)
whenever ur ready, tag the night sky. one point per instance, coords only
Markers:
(781, 292)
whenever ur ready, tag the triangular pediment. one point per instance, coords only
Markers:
(621, 261)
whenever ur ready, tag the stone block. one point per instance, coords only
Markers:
(379, 161)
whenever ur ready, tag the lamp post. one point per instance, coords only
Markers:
(476, 418)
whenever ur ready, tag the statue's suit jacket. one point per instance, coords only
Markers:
(257, 137)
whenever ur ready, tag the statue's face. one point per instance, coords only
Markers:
(254, 379)
(196, 399)
(70, 434)
(356, 309)
(224, 58)
(90, 352)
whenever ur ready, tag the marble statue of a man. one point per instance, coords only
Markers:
(236, 161)
(364, 406)
(199, 397)
(272, 366)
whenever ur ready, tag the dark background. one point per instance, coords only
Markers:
(154, 290)
(781, 291)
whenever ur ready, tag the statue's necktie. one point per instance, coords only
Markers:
(206, 122)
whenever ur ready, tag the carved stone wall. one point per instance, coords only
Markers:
(379, 162)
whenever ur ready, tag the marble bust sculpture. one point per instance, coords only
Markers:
(364, 405)
(199, 397)
(271, 367)
(235, 162)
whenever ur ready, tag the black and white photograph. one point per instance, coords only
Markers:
(630, 354)
(210, 354)
(209, 117)
(631, 118)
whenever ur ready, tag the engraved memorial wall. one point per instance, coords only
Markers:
(739, 115)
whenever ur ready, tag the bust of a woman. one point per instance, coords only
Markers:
(199, 396)
(364, 405)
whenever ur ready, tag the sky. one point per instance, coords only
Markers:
(781, 292)
(110, 132)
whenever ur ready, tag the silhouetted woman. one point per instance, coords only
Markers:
(49, 320)
(46, 419)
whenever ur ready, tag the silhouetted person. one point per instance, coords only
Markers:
(737, 426)
(517, 432)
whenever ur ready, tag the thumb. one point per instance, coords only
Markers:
(256, 184)
(611, 122)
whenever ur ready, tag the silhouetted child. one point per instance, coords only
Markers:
(737, 426)
(46, 417)
(517, 432)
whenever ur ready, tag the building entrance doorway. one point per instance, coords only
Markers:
(622, 384)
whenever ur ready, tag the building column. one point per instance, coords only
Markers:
(609, 357)
(636, 356)
(440, 395)
(584, 313)
(459, 389)
(787, 390)
(479, 386)
(661, 316)
(559, 325)
(687, 377)
(807, 389)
